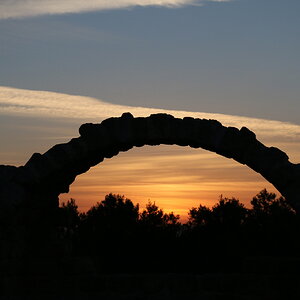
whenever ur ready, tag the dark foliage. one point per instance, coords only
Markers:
(119, 238)
(114, 237)
(153, 217)
(226, 213)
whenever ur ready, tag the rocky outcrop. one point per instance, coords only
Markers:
(40, 181)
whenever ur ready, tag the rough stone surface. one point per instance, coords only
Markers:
(45, 176)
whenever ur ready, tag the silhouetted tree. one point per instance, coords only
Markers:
(69, 221)
(69, 214)
(109, 226)
(272, 224)
(153, 216)
(172, 219)
(200, 216)
(271, 212)
(229, 212)
(158, 236)
(114, 213)
(266, 204)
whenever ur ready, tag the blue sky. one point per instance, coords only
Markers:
(236, 61)
(237, 57)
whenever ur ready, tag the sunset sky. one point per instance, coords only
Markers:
(64, 63)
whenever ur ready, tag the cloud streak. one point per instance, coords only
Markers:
(79, 109)
(30, 8)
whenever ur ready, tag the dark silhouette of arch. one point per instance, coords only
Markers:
(52, 173)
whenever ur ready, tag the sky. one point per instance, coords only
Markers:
(64, 63)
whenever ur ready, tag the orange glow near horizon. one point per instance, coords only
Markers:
(175, 178)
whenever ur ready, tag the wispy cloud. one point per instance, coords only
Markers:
(29, 8)
(20, 102)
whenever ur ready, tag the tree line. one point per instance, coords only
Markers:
(120, 238)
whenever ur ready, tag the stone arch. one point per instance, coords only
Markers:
(54, 171)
